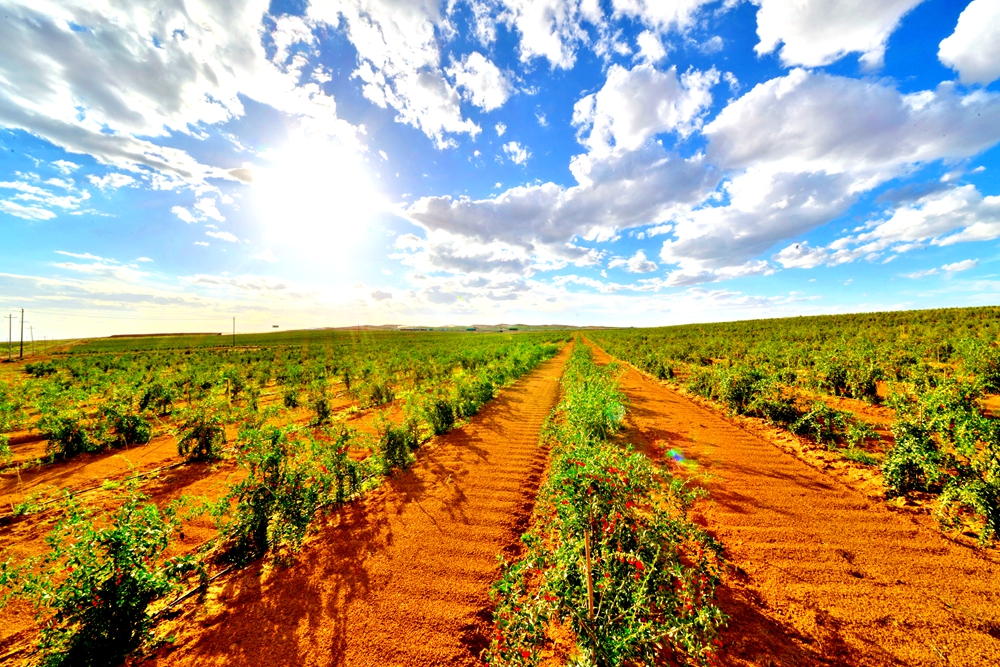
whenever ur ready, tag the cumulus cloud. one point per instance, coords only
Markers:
(973, 49)
(942, 218)
(613, 192)
(635, 104)
(381, 295)
(33, 202)
(223, 236)
(809, 122)
(637, 263)
(481, 81)
(964, 265)
(111, 181)
(102, 76)
(400, 63)
(660, 15)
(650, 47)
(814, 33)
(183, 214)
(548, 29)
(517, 153)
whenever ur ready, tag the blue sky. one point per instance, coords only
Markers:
(169, 165)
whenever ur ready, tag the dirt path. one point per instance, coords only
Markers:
(402, 578)
(823, 575)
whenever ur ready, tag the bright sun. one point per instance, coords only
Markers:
(316, 197)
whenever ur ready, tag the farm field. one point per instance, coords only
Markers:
(816, 491)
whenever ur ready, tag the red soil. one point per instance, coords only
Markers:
(401, 578)
(821, 574)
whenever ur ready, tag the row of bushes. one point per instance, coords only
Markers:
(944, 444)
(611, 554)
(96, 586)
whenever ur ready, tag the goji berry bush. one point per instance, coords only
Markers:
(611, 553)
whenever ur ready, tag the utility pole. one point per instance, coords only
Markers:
(10, 340)
(22, 333)
(32, 329)
(234, 331)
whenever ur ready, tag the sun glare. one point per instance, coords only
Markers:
(316, 197)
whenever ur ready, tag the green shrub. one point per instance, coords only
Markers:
(739, 386)
(440, 415)
(982, 359)
(66, 434)
(94, 587)
(981, 497)
(701, 381)
(775, 409)
(654, 572)
(159, 396)
(5, 452)
(822, 423)
(276, 501)
(913, 463)
(40, 369)
(291, 397)
(396, 442)
(202, 438)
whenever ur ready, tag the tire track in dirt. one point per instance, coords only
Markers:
(401, 578)
(822, 574)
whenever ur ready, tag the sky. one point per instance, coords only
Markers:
(168, 165)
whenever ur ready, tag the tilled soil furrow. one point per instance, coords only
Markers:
(401, 578)
(822, 575)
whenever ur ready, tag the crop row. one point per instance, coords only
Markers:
(944, 441)
(611, 555)
(103, 579)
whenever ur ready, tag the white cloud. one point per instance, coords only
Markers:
(815, 122)
(662, 15)
(143, 259)
(815, 33)
(941, 217)
(500, 128)
(381, 295)
(921, 274)
(223, 236)
(548, 29)
(183, 214)
(948, 217)
(201, 243)
(614, 192)
(973, 49)
(111, 181)
(400, 61)
(103, 74)
(517, 153)
(650, 47)
(763, 209)
(65, 166)
(85, 255)
(26, 212)
(964, 265)
(106, 270)
(637, 263)
(633, 105)
(32, 202)
(482, 82)
(206, 207)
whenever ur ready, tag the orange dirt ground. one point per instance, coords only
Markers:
(402, 577)
(822, 574)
